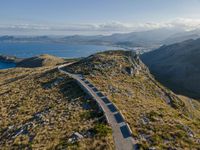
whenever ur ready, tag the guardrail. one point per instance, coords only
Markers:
(92, 91)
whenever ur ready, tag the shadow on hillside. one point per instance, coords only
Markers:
(176, 88)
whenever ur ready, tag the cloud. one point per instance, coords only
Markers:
(186, 23)
(104, 28)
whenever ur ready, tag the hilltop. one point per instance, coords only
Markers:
(40, 61)
(177, 66)
(44, 60)
(158, 117)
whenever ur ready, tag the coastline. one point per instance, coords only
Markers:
(9, 59)
(7, 65)
(7, 62)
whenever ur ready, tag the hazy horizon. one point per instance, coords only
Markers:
(51, 17)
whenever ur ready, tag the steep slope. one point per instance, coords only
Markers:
(158, 118)
(43, 109)
(182, 36)
(40, 61)
(177, 66)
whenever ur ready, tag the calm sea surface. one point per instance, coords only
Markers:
(4, 65)
(24, 50)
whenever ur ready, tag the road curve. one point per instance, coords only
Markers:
(120, 130)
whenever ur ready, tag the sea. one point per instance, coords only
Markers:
(4, 65)
(25, 50)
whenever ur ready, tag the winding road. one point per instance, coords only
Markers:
(121, 132)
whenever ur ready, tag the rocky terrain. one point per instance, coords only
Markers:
(158, 118)
(177, 66)
(44, 109)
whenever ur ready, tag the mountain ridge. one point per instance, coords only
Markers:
(158, 118)
(131, 87)
(149, 39)
(177, 66)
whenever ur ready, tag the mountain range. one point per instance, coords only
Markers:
(177, 66)
(147, 39)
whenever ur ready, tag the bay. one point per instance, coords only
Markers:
(25, 50)
(4, 65)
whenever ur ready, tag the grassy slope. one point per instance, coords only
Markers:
(143, 102)
(40, 61)
(24, 92)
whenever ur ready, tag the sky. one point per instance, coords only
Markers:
(66, 17)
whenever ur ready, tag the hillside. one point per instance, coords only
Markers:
(158, 118)
(177, 66)
(40, 61)
(41, 108)
(182, 36)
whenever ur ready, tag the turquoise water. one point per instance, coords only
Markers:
(4, 65)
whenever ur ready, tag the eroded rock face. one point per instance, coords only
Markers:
(130, 71)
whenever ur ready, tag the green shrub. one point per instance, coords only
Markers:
(102, 130)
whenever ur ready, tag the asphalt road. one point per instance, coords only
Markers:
(121, 132)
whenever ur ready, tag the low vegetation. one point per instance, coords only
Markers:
(158, 118)
(43, 109)
(40, 61)
(102, 130)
